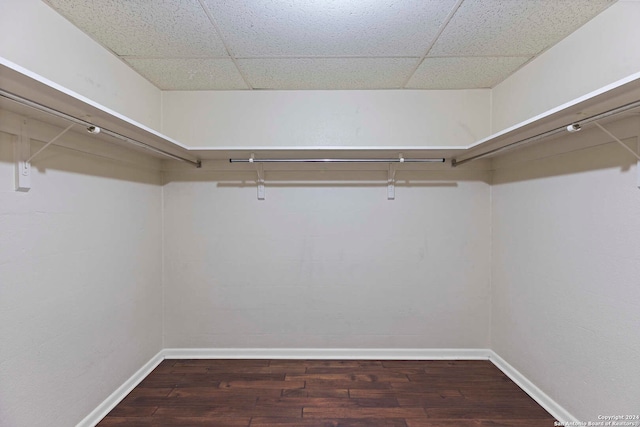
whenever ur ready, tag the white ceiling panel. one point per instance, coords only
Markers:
(327, 44)
(513, 27)
(464, 73)
(145, 27)
(189, 74)
(327, 73)
(329, 27)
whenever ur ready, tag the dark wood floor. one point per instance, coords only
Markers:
(327, 393)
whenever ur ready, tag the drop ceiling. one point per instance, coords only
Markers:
(327, 44)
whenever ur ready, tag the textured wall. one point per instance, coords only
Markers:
(80, 275)
(566, 269)
(320, 118)
(325, 265)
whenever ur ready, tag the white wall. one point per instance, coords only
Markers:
(80, 283)
(601, 52)
(37, 38)
(357, 118)
(327, 264)
(566, 269)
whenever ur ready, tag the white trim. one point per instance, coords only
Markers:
(121, 392)
(329, 353)
(550, 405)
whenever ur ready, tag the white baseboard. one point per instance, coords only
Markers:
(121, 392)
(329, 353)
(532, 390)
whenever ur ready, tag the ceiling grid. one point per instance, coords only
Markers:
(327, 44)
(224, 43)
(435, 39)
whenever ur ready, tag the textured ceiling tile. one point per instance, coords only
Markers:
(189, 74)
(145, 27)
(327, 73)
(513, 27)
(464, 73)
(329, 27)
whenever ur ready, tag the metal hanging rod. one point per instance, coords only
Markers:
(91, 128)
(572, 127)
(395, 160)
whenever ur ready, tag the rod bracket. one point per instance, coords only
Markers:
(22, 152)
(391, 179)
(260, 180)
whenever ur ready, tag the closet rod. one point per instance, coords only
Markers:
(575, 125)
(395, 160)
(32, 104)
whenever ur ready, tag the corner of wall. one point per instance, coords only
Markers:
(491, 112)
(162, 262)
(491, 258)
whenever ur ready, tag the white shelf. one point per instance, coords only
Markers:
(36, 88)
(26, 84)
(617, 94)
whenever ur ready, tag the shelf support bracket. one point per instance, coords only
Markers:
(22, 150)
(23, 156)
(625, 146)
(54, 139)
(260, 180)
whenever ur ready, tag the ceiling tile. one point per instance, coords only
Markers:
(327, 73)
(327, 44)
(513, 27)
(145, 27)
(329, 27)
(464, 73)
(189, 74)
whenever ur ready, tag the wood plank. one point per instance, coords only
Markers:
(209, 401)
(175, 421)
(125, 410)
(364, 370)
(258, 369)
(332, 384)
(221, 393)
(164, 380)
(208, 412)
(181, 369)
(329, 402)
(442, 393)
(488, 412)
(364, 413)
(317, 392)
(244, 376)
(280, 385)
(352, 376)
(325, 363)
